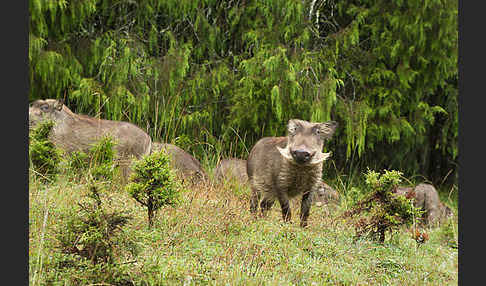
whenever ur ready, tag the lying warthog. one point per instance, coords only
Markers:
(186, 165)
(76, 132)
(284, 167)
(426, 198)
(325, 195)
(231, 169)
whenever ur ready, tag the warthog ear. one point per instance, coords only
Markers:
(292, 126)
(326, 129)
(58, 105)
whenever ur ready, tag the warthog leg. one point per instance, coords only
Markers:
(305, 208)
(266, 205)
(284, 204)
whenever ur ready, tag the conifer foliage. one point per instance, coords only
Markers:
(386, 69)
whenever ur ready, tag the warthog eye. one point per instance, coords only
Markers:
(44, 107)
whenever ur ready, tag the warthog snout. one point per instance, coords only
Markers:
(301, 156)
(280, 168)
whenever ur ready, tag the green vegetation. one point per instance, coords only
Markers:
(213, 77)
(211, 238)
(102, 155)
(99, 163)
(154, 184)
(205, 71)
(386, 210)
(86, 241)
(44, 157)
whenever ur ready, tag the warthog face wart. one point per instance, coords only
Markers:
(305, 141)
(280, 168)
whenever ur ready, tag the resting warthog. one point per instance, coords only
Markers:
(426, 198)
(186, 165)
(284, 167)
(231, 169)
(325, 195)
(76, 132)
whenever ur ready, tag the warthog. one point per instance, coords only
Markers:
(325, 195)
(426, 198)
(187, 166)
(76, 132)
(284, 167)
(231, 169)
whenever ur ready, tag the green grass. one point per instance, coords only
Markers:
(212, 239)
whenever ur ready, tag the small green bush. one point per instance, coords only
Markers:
(44, 156)
(385, 210)
(99, 161)
(102, 154)
(153, 183)
(90, 239)
(92, 232)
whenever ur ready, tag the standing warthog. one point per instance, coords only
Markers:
(284, 167)
(76, 132)
(186, 165)
(325, 195)
(231, 169)
(425, 197)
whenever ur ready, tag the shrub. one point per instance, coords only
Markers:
(385, 210)
(90, 238)
(102, 155)
(44, 156)
(99, 161)
(92, 232)
(153, 183)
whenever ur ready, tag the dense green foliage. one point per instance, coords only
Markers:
(385, 210)
(228, 72)
(44, 156)
(153, 183)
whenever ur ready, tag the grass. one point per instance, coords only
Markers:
(212, 239)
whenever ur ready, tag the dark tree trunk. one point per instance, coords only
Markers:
(150, 213)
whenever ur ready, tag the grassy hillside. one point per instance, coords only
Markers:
(212, 239)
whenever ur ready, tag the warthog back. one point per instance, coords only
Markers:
(231, 169)
(325, 195)
(280, 168)
(75, 132)
(427, 199)
(184, 163)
